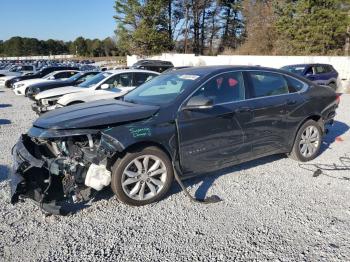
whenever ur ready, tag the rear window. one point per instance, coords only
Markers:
(294, 84)
(267, 84)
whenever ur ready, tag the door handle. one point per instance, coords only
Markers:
(291, 102)
(243, 110)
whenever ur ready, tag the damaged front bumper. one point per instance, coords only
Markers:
(39, 109)
(58, 185)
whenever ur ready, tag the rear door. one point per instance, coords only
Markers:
(214, 137)
(269, 95)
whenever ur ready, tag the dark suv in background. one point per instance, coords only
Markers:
(321, 74)
(153, 65)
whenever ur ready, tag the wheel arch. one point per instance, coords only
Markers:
(316, 117)
(140, 145)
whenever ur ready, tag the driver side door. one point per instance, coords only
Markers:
(214, 137)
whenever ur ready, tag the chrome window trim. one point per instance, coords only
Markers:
(303, 90)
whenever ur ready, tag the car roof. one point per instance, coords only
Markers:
(311, 64)
(220, 68)
(64, 70)
(118, 71)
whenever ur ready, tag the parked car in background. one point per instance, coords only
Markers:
(22, 87)
(176, 68)
(191, 121)
(43, 72)
(74, 80)
(5, 79)
(153, 65)
(109, 84)
(321, 74)
(18, 70)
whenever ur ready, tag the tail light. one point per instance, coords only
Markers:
(337, 99)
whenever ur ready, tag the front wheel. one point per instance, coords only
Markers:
(142, 177)
(307, 143)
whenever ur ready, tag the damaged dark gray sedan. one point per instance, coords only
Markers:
(182, 123)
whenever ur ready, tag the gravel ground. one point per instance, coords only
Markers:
(272, 209)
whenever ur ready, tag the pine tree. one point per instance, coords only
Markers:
(307, 27)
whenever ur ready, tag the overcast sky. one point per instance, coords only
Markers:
(57, 19)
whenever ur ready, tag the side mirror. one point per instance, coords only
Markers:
(105, 86)
(199, 102)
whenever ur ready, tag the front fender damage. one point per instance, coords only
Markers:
(62, 175)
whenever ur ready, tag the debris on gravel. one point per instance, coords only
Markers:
(273, 209)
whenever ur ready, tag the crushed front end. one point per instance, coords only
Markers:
(61, 171)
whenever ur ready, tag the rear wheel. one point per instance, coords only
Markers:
(307, 142)
(142, 177)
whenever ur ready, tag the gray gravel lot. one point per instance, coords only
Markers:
(272, 209)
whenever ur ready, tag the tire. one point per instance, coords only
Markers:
(154, 187)
(310, 132)
(333, 86)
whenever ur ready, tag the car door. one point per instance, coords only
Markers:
(269, 97)
(214, 137)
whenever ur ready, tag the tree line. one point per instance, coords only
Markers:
(210, 27)
(22, 46)
(265, 27)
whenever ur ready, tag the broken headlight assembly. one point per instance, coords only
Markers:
(59, 173)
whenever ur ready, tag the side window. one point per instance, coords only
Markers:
(64, 75)
(120, 80)
(309, 71)
(60, 75)
(224, 88)
(267, 84)
(320, 70)
(294, 85)
(140, 78)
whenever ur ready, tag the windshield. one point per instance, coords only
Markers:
(294, 69)
(95, 79)
(75, 77)
(162, 89)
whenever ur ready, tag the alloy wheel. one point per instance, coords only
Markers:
(309, 141)
(144, 177)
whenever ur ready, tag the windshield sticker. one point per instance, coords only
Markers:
(188, 77)
(140, 132)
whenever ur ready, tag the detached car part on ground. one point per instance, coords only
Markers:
(187, 121)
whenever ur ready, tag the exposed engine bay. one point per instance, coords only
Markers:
(60, 173)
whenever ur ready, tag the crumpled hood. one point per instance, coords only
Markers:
(94, 114)
(59, 92)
